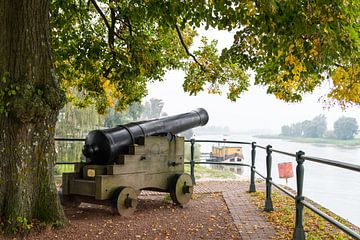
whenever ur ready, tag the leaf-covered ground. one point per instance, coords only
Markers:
(283, 218)
(205, 217)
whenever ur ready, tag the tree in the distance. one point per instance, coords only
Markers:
(308, 129)
(345, 128)
(286, 130)
(131, 114)
(297, 129)
(320, 125)
(314, 128)
(153, 108)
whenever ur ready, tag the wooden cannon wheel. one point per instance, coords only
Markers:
(124, 201)
(181, 189)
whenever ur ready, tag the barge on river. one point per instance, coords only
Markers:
(226, 154)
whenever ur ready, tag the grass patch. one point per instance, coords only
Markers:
(283, 218)
(167, 199)
(205, 172)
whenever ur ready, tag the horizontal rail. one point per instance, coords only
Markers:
(69, 139)
(330, 162)
(221, 163)
(331, 220)
(284, 153)
(283, 189)
(349, 166)
(259, 146)
(66, 163)
(211, 163)
(260, 174)
(216, 141)
(205, 141)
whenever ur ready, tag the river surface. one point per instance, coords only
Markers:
(334, 188)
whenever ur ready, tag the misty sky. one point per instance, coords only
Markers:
(254, 110)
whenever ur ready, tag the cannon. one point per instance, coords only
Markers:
(104, 146)
(122, 161)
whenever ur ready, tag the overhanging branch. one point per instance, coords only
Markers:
(98, 9)
(186, 48)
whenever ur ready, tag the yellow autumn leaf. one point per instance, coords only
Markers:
(142, 71)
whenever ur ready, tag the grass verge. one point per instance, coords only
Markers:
(205, 172)
(283, 219)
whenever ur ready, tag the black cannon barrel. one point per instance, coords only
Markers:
(103, 146)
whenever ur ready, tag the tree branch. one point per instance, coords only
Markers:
(130, 30)
(339, 65)
(186, 48)
(129, 25)
(112, 26)
(98, 9)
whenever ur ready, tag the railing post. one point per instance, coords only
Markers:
(299, 233)
(192, 161)
(252, 174)
(268, 200)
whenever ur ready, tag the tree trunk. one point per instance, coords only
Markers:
(30, 99)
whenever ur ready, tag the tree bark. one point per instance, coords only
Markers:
(30, 99)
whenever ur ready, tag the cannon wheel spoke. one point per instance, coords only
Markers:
(181, 189)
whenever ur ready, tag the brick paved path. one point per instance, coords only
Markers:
(250, 223)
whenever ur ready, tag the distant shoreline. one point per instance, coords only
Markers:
(341, 143)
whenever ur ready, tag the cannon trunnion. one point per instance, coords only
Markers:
(153, 163)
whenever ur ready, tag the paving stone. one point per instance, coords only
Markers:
(247, 218)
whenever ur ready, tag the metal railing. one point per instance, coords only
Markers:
(300, 202)
(300, 157)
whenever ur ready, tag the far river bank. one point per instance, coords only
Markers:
(332, 141)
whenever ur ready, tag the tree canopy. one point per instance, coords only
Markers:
(108, 50)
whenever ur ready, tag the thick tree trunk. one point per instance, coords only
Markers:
(30, 99)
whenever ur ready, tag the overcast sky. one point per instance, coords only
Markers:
(254, 110)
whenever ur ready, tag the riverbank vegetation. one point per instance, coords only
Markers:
(344, 132)
(345, 128)
(341, 143)
(283, 218)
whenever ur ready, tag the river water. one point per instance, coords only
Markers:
(334, 188)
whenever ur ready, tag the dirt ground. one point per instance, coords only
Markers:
(205, 217)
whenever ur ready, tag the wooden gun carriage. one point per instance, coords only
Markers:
(124, 160)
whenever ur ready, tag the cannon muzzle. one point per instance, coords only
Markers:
(104, 146)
